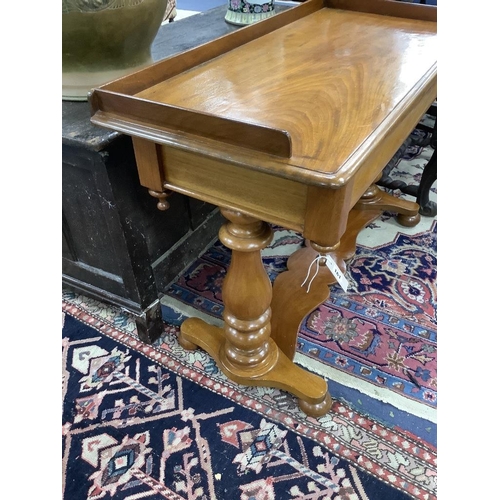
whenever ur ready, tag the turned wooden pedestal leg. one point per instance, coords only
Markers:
(244, 349)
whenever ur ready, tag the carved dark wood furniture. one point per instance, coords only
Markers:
(288, 121)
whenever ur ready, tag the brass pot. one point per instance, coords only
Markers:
(105, 39)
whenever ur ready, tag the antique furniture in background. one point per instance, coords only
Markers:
(116, 246)
(288, 121)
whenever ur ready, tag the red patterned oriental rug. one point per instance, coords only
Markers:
(156, 421)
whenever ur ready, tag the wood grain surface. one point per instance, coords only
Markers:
(330, 80)
(323, 93)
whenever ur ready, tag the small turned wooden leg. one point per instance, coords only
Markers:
(162, 196)
(244, 349)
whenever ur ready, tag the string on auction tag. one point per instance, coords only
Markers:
(316, 260)
(332, 266)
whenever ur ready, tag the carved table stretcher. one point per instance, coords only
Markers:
(288, 121)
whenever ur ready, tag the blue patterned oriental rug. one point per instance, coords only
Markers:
(154, 421)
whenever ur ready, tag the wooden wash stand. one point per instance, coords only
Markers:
(287, 121)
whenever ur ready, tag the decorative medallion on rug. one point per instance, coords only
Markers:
(156, 421)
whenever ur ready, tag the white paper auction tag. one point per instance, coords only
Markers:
(337, 273)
